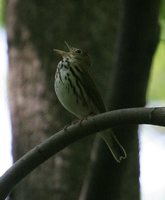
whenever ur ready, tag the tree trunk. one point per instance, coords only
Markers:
(137, 40)
(34, 28)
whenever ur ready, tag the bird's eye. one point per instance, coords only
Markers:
(78, 51)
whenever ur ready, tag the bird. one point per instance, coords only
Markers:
(77, 92)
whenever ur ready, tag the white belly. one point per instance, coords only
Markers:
(70, 96)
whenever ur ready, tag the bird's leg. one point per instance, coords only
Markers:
(79, 121)
(65, 127)
(71, 123)
(86, 117)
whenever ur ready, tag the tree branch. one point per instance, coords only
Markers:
(65, 137)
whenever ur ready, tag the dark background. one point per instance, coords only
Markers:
(120, 37)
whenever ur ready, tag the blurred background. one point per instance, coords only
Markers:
(151, 138)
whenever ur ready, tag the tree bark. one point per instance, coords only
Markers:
(34, 29)
(137, 40)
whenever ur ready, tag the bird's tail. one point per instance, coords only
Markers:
(114, 145)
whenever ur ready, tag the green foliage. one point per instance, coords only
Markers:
(162, 20)
(162, 10)
(157, 82)
(1, 12)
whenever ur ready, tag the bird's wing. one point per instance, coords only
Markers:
(91, 89)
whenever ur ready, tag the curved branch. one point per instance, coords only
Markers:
(60, 140)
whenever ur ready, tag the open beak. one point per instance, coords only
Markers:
(61, 53)
(69, 47)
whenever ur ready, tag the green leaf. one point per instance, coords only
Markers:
(1, 12)
(156, 89)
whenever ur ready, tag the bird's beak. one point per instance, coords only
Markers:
(64, 53)
(69, 47)
(61, 53)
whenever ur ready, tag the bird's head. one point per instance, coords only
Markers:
(74, 55)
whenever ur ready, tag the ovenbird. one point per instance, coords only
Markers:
(77, 92)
